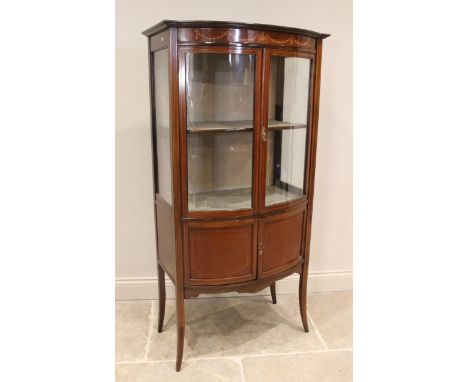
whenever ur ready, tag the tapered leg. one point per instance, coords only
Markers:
(303, 299)
(162, 298)
(273, 292)
(180, 329)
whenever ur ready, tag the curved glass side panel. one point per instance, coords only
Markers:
(163, 139)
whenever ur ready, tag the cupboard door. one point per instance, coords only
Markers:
(221, 252)
(281, 241)
(220, 112)
(286, 125)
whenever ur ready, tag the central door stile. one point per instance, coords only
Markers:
(262, 141)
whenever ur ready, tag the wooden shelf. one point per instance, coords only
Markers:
(219, 126)
(236, 199)
(281, 125)
(234, 126)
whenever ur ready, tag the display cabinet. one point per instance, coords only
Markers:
(234, 116)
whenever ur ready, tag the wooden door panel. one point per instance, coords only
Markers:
(281, 241)
(221, 252)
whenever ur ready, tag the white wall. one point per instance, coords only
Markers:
(331, 256)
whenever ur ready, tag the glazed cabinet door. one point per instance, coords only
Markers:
(281, 241)
(219, 91)
(220, 252)
(286, 125)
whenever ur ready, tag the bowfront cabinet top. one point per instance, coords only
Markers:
(234, 114)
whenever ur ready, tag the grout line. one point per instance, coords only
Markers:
(301, 352)
(239, 357)
(149, 335)
(241, 365)
(317, 332)
(141, 361)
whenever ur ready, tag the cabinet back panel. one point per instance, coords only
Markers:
(219, 161)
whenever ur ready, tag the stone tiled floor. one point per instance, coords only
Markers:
(238, 339)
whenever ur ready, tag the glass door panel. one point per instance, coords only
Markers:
(287, 128)
(220, 120)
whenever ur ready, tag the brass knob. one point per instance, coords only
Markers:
(264, 134)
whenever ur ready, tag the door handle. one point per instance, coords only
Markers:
(264, 134)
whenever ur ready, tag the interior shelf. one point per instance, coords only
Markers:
(219, 126)
(282, 125)
(229, 126)
(236, 199)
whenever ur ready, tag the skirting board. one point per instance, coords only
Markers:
(146, 288)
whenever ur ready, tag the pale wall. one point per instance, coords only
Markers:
(332, 227)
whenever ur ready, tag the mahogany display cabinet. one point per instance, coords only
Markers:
(234, 117)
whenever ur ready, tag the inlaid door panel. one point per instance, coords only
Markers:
(281, 241)
(220, 252)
